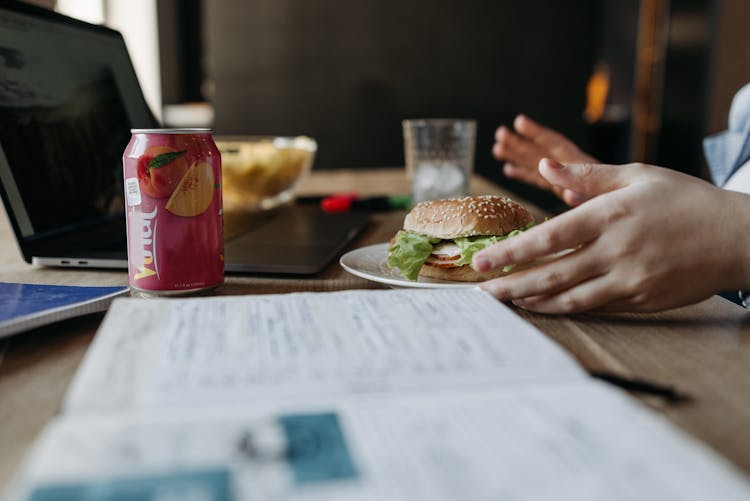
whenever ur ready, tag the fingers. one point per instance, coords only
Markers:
(571, 284)
(521, 159)
(523, 151)
(566, 231)
(543, 136)
(532, 176)
(602, 294)
(586, 180)
(572, 198)
(526, 175)
(594, 294)
(558, 146)
(516, 149)
(546, 279)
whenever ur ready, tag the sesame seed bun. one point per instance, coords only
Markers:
(467, 216)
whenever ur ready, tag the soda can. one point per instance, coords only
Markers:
(173, 212)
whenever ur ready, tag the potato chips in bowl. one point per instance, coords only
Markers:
(262, 172)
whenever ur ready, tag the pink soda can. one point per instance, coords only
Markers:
(173, 212)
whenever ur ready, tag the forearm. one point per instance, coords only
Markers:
(736, 252)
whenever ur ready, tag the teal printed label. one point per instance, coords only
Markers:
(316, 448)
(210, 485)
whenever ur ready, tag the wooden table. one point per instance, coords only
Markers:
(702, 349)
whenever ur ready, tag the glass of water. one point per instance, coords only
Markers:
(439, 154)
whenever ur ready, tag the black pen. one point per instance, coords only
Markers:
(668, 393)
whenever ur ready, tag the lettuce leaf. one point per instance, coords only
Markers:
(471, 245)
(409, 251)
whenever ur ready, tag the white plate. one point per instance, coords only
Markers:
(369, 263)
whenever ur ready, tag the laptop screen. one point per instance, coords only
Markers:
(68, 99)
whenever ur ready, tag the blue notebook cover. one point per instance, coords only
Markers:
(26, 306)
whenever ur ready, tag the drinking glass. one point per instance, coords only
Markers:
(439, 155)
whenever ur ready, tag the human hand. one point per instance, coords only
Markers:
(522, 150)
(648, 239)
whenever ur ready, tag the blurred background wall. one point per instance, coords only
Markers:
(729, 59)
(347, 73)
(628, 80)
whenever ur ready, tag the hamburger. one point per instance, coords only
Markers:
(440, 237)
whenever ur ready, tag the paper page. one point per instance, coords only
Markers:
(562, 441)
(151, 353)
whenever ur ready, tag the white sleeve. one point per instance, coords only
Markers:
(740, 180)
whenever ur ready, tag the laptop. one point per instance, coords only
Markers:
(68, 98)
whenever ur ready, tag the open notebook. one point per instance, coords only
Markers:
(400, 394)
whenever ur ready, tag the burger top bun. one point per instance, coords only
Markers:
(467, 216)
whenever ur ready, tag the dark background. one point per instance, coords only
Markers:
(347, 73)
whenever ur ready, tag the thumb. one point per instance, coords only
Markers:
(582, 181)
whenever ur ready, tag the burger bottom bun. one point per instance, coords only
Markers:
(466, 273)
(460, 274)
